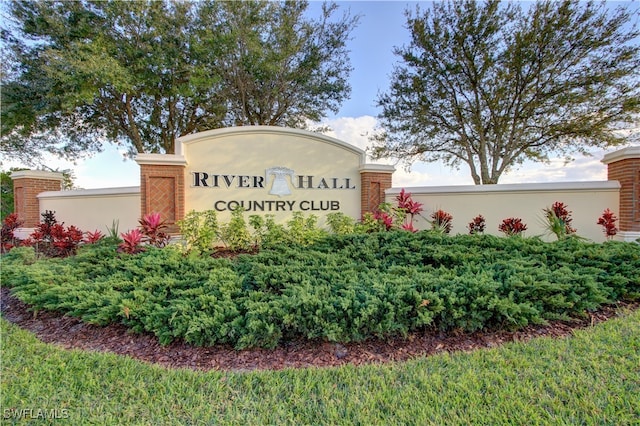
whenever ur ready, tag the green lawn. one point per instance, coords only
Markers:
(590, 378)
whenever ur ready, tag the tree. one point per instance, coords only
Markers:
(282, 69)
(491, 85)
(143, 73)
(6, 192)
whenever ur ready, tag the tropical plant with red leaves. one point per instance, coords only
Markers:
(153, 229)
(384, 219)
(558, 220)
(66, 240)
(406, 203)
(131, 242)
(441, 222)
(512, 226)
(93, 237)
(407, 209)
(409, 227)
(477, 225)
(7, 236)
(52, 239)
(608, 223)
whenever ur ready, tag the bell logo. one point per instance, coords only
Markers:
(280, 184)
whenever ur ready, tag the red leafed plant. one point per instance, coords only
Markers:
(93, 237)
(441, 221)
(66, 241)
(384, 218)
(53, 239)
(131, 242)
(152, 228)
(608, 222)
(409, 227)
(559, 220)
(407, 204)
(408, 208)
(9, 225)
(512, 226)
(477, 225)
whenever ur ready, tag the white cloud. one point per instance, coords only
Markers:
(353, 130)
(356, 130)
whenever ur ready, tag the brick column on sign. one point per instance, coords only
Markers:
(624, 166)
(162, 187)
(375, 179)
(27, 184)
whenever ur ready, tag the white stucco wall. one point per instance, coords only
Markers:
(586, 201)
(94, 209)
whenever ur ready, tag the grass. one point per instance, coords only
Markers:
(592, 377)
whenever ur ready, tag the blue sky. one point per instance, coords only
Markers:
(381, 27)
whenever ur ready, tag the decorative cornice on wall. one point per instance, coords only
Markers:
(37, 174)
(622, 154)
(513, 187)
(377, 168)
(274, 130)
(161, 159)
(100, 192)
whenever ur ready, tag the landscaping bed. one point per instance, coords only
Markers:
(69, 333)
(353, 289)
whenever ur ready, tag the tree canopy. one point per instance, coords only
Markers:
(491, 85)
(140, 74)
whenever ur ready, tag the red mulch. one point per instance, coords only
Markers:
(68, 332)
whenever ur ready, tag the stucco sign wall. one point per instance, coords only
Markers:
(271, 170)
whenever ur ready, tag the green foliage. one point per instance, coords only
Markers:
(200, 230)
(304, 230)
(6, 194)
(235, 234)
(558, 220)
(341, 288)
(341, 224)
(144, 72)
(267, 233)
(501, 72)
(113, 232)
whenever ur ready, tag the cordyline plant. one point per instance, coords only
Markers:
(408, 208)
(477, 225)
(151, 232)
(131, 242)
(388, 216)
(608, 223)
(9, 225)
(441, 222)
(93, 237)
(153, 227)
(558, 220)
(53, 239)
(512, 226)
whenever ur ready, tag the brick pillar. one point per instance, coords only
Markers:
(375, 179)
(162, 187)
(27, 184)
(624, 166)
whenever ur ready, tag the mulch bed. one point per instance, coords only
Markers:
(68, 332)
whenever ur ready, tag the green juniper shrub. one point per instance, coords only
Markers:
(341, 288)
